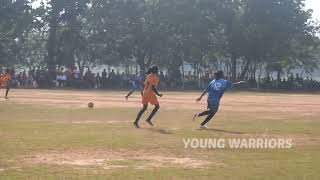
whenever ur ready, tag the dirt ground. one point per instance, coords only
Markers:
(77, 139)
(110, 159)
(303, 104)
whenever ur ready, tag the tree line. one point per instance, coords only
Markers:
(243, 37)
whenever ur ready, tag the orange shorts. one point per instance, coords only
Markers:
(150, 98)
(3, 84)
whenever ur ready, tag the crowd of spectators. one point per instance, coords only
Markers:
(292, 82)
(72, 78)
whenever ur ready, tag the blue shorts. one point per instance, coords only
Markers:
(213, 106)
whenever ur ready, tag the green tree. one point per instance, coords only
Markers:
(15, 20)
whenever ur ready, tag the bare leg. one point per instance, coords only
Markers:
(154, 111)
(210, 114)
(145, 106)
(204, 113)
(208, 118)
(7, 91)
(129, 94)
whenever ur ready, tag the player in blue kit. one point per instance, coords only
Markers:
(137, 84)
(215, 90)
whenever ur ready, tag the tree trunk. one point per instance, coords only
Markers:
(254, 70)
(259, 76)
(81, 67)
(183, 74)
(75, 34)
(148, 64)
(278, 77)
(245, 70)
(52, 42)
(233, 67)
(140, 61)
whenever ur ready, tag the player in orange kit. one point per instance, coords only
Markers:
(5, 81)
(149, 96)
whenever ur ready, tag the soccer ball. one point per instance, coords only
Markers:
(90, 105)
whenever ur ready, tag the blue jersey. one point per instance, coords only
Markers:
(136, 83)
(216, 90)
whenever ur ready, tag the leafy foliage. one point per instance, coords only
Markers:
(238, 35)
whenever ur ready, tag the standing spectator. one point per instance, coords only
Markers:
(30, 78)
(98, 81)
(76, 73)
(91, 80)
(86, 78)
(37, 76)
(189, 76)
(112, 74)
(24, 79)
(104, 78)
(112, 78)
(61, 78)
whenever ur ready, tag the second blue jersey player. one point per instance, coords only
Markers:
(215, 90)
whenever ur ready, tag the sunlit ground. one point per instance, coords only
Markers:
(51, 134)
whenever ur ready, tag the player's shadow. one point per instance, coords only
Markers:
(223, 131)
(158, 130)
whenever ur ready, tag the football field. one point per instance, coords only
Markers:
(52, 134)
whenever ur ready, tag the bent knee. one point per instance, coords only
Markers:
(144, 108)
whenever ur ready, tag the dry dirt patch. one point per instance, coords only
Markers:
(98, 122)
(106, 158)
(231, 102)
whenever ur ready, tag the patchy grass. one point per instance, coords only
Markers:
(41, 141)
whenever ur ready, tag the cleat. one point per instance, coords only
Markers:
(150, 123)
(136, 125)
(203, 127)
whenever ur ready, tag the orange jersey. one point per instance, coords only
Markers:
(4, 79)
(151, 80)
(148, 94)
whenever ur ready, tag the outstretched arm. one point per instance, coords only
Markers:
(240, 82)
(155, 91)
(203, 93)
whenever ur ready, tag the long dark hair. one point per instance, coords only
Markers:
(155, 70)
(149, 71)
(218, 75)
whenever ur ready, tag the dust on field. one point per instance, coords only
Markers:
(97, 122)
(273, 105)
(263, 106)
(109, 159)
